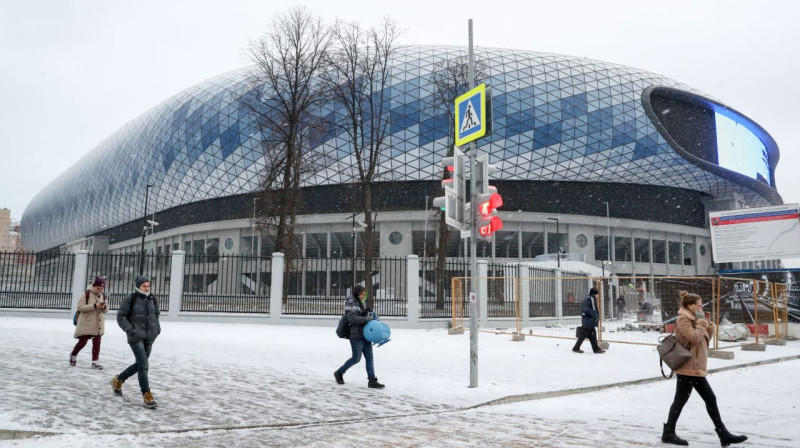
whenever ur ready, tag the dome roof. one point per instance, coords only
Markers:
(555, 117)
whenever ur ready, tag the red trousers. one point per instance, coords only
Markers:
(82, 340)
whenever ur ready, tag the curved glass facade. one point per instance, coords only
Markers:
(556, 118)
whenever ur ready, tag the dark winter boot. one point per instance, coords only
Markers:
(149, 401)
(374, 384)
(116, 385)
(96, 366)
(339, 377)
(669, 436)
(726, 438)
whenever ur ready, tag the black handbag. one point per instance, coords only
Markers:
(672, 353)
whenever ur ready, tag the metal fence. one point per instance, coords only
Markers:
(318, 286)
(501, 289)
(120, 271)
(435, 287)
(634, 309)
(29, 280)
(226, 284)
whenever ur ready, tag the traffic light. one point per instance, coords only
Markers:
(487, 199)
(453, 201)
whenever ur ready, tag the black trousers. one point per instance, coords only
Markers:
(683, 389)
(587, 333)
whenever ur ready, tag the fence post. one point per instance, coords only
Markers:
(176, 283)
(559, 295)
(523, 271)
(79, 278)
(276, 289)
(412, 289)
(483, 293)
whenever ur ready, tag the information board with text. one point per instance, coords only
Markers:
(753, 234)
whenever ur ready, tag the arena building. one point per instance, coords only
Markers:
(596, 160)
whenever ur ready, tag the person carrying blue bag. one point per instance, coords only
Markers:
(358, 316)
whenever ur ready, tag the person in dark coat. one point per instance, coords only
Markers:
(358, 316)
(138, 316)
(693, 332)
(620, 303)
(589, 319)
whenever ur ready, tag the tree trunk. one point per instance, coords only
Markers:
(441, 262)
(368, 246)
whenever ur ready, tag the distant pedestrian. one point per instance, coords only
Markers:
(646, 309)
(620, 305)
(358, 316)
(91, 324)
(693, 331)
(138, 316)
(589, 320)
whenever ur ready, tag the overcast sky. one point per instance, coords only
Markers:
(73, 72)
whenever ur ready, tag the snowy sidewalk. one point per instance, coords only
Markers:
(273, 386)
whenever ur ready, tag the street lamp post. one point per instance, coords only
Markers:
(608, 256)
(608, 237)
(558, 238)
(144, 227)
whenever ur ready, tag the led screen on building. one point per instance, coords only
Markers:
(738, 149)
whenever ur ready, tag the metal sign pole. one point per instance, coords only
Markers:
(473, 287)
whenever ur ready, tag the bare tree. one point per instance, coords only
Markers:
(358, 78)
(450, 80)
(284, 94)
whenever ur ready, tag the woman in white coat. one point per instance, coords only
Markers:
(92, 309)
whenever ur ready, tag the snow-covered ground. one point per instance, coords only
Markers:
(234, 385)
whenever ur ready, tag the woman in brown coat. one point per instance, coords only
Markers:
(693, 331)
(91, 322)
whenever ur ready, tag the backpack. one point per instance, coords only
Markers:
(343, 329)
(75, 317)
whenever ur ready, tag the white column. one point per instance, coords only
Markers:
(483, 293)
(524, 275)
(176, 283)
(79, 278)
(412, 289)
(276, 289)
(559, 295)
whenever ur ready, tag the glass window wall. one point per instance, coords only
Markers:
(601, 248)
(622, 248)
(642, 250)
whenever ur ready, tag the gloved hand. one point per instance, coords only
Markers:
(369, 316)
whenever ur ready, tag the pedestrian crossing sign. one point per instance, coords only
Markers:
(472, 115)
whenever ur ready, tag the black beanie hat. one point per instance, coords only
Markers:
(141, 279)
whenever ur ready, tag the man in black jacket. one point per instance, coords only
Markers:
(138, 317)
(589, 319)
(358, 316)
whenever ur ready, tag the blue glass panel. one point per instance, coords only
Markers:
(573, 106)
(546, 135)
(645, 147)
(623, 134)
(230, 140)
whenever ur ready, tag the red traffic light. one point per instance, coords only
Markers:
(489, 225)
(487, 205)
